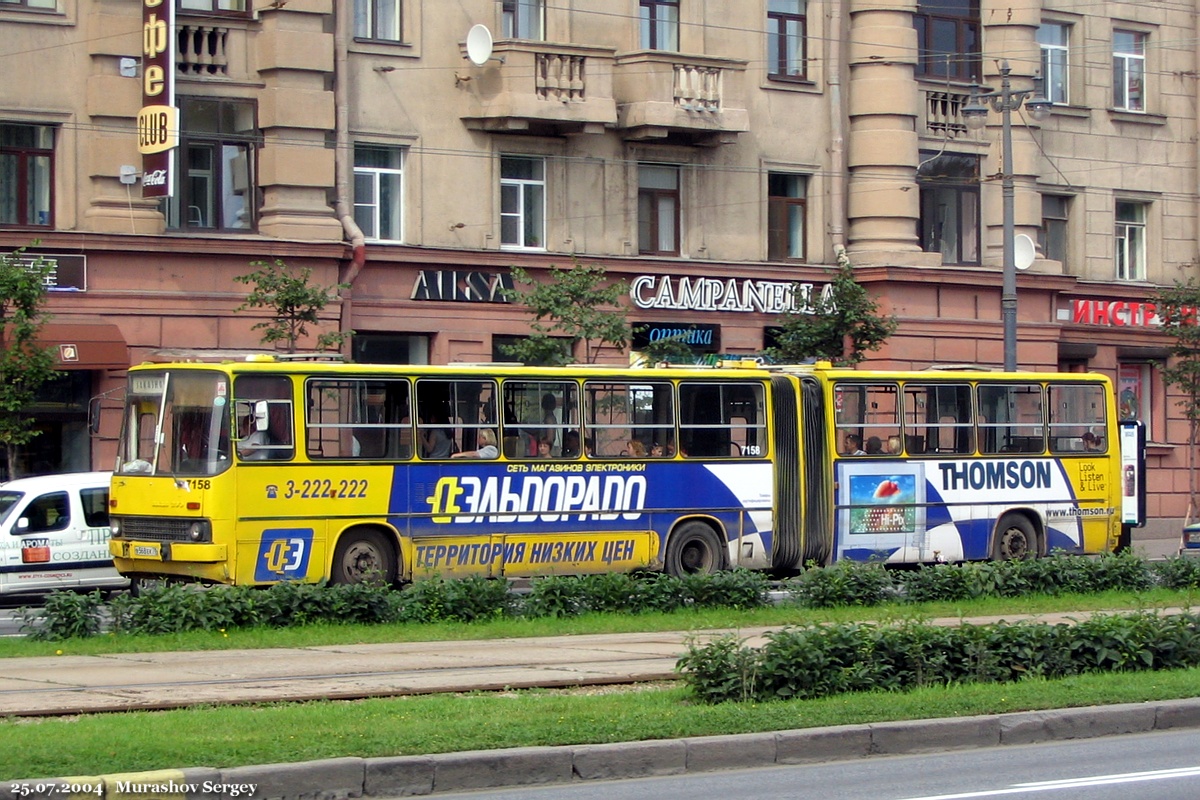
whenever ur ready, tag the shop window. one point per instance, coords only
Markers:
(658, 24)
(948, 40)
(390, 348)
(523, 19)
(26, 175)
(1133, 393)
(522, 202)
(786, 33)
(216, 164)
(378, 19)
(379, 192)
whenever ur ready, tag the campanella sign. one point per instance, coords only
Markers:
(721, 294)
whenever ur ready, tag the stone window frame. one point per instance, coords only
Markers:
(511, 16)
(778, 38)
(23, 193)
(377, 176)
(658, 29)
(1122, 62)
(366, 14)
(781, 205)
(649, 219)
(530, 195)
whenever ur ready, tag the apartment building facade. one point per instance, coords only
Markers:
(710, 154)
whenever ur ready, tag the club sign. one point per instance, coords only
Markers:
(158, 120)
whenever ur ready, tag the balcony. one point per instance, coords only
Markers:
(943, 113)
(541, 88)
(202, 50)
(677, 98)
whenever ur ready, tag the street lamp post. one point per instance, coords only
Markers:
(1006, 100)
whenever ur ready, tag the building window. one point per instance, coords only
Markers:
(524, 19)
(948, 39)
(378, 191)
(215, 162)
(26, 175)
(786, 32)
(1129, 70)
(949, 221)
(1053, 235)
(658, 210)
(785, 216)
(659, 24)
(377, 19)
(1130, 242)
(47, 5)
(1054, 38)
(213, 6)
(522, 202)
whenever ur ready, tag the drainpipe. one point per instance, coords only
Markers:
(343, 161)
(837, 134)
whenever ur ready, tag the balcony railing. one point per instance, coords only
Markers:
(541, 87)
(203, 50)
(943, 114)
(698, 100)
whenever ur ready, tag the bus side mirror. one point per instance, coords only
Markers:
(94, 416)
(260, 415)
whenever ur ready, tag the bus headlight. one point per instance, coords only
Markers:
(114, 525)
(200, 531)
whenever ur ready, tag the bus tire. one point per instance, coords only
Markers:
(363, 556)
(1016, 540)
(694, 549)
(140, 584)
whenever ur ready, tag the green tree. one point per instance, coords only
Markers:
(1176, 307)
(575, 305)
(24, 365)
(294, 303)
(841, 325)
(669, 349)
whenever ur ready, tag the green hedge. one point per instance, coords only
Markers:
(180, 607)
(175, 608)
(799, 663)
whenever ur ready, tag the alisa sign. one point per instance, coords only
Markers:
(720, 294)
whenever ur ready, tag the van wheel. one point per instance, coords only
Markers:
(1015, 540)
(363, 556)
(694, 549)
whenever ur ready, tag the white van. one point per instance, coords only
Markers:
(54, 534)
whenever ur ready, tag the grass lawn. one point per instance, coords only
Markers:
(232, 736)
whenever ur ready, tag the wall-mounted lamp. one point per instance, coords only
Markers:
(128, 174)
(457, 225)
(385, 68)
(128, 67)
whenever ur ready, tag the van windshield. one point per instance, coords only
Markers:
(176, 423)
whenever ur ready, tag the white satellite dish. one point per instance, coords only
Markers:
(479, 45)
(1023, 251)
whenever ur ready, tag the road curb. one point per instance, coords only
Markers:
(402, 776)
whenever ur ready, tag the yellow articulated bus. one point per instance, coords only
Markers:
(270, 469)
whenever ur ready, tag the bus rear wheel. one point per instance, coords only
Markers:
(363, 557)
(1015, 540)
(694, 549)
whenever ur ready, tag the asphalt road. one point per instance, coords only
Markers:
(1150, 766)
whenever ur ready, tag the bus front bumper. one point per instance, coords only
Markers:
(162, 552)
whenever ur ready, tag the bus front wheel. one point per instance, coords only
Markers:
(694, 549)
(361, 557)
(1015, 540)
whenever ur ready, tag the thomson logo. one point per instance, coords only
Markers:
(156, 178)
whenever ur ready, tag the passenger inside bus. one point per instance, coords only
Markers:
(486, 446)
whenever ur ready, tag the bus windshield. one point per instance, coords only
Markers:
(176, 423)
